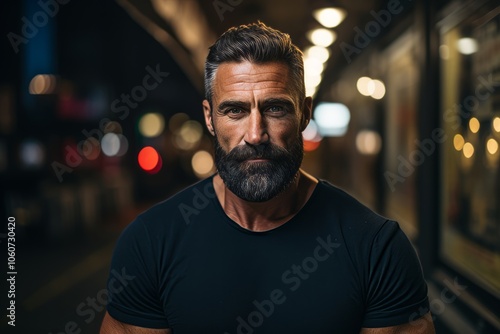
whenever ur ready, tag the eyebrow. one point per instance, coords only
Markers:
(244, 105)
(233, 104)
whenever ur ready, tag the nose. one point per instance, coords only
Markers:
(256, 132)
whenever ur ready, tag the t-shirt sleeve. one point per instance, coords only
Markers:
(397, 291)
(134, 296)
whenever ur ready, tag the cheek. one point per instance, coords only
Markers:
(284, 135)
(228, 136)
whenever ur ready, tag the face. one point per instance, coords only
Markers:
(257, 119)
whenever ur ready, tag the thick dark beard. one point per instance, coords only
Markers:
(259, 181)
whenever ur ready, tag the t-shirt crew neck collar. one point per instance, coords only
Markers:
(228, 221)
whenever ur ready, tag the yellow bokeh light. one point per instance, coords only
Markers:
(313, 66)
(191, 132)
(468, 150)
(176, 121)
(312, 80)
(458, 142)
(496, 124)
(151, 125)
(378, 89)
(42, 84)
(330, 17)
(474, 125)
(202, 163)
(318, 52)
(364, 86)
(368, 142)
(492, 146)
(322, 37)
(444, 51)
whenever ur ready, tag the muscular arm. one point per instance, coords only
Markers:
(423, 325)
(113, 326)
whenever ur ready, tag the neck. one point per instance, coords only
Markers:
(263, 216)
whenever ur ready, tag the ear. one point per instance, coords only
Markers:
(207, 112)
(306, 113)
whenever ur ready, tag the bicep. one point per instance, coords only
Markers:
(112, 326)
(423, 325)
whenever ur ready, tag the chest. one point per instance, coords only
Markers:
(262, 286)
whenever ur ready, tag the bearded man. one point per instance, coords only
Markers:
(262, 246)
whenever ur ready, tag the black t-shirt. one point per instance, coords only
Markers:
(335, 267)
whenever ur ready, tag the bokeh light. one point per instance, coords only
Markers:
(31, 153)
(149, 160)
(378, 90)
(467, 45)
(202, 163)
(151, 125)
(368, 142)
(474, 125)
(458, 142)
(444, 51)
(176, 121)
(312, 137)
(313, 66)
(318, 52)
(110, 144)
(42, 84)
(321, 37)
(330, 17)
(363, 86)
(496, 124)
(468, 150)
(332, 119)
(492, 146)
(189, 135)
(123, 145)
(371, 87)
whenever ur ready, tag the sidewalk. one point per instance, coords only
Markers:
(61, 288)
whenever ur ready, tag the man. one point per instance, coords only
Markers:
(262, 246)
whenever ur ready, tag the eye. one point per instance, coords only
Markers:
(234, 111)
(276, 110)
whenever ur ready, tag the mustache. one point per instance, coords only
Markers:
(263, 151)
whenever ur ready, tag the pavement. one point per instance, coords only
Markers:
(60, 287)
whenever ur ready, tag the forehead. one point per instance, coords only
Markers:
(244, 77)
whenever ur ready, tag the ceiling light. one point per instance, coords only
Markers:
(321, 37)
(467, 46)
(312, 79)
(313, 66)
(330, 17)
(318, 52)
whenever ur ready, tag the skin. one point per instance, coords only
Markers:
(252, 105)
(255, 104)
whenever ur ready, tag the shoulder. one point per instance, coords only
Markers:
(176, 209)
(172, 216)
(363, 231)
(350, 213)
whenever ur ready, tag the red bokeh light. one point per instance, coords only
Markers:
(149, 160)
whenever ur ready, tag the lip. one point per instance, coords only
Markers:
(257, 160)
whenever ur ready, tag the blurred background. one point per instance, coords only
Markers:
(100, 117)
